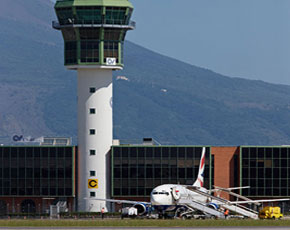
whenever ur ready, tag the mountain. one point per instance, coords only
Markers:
(32, 75)
(154, 96)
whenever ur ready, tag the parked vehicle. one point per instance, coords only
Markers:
(270, 213)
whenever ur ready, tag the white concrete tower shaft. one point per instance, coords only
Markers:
(95, 135)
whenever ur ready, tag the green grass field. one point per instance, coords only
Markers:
(140, 223)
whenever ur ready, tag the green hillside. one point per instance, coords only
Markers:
(156, 96)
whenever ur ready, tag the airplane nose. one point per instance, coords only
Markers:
(154, 200)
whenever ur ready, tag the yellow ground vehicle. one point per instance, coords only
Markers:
(270, 213)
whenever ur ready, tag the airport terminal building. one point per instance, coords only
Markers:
(34, 177)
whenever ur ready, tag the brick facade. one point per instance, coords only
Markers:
(224, 167)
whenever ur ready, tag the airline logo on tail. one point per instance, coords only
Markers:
(199, 180)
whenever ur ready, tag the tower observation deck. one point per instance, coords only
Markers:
(94, 32)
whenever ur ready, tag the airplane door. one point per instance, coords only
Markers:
(176, 193)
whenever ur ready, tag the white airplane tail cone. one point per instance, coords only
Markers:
(200, 177)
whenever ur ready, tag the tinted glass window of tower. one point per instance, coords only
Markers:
(97, 44)
(89, 51)
(266, 170)
(88, 15)
(69, 34)
(115, 15)
(89, 33)
(70, 52)
(64, 14)
(137, 170)
(111, 49)
(36, 171)
(93, 15)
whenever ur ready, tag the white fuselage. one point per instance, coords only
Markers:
(168, 194)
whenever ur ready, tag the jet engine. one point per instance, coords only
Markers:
(213, 206)
(142, 209)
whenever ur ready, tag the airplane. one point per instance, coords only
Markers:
(164, 198)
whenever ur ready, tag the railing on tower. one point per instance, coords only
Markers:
(93, 23)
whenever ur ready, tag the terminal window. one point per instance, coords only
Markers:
(36, 171)
(137, 170)
(266, 170)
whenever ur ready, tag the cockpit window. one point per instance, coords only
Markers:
(161, 193)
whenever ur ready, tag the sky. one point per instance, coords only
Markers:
(237, 38)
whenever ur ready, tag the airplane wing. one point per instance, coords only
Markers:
(257, 201)
(120, 201)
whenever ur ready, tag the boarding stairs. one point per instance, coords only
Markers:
(226, 204)
(189, 202)
(242, 211)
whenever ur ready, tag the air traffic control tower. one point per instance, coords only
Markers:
(94, 33)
